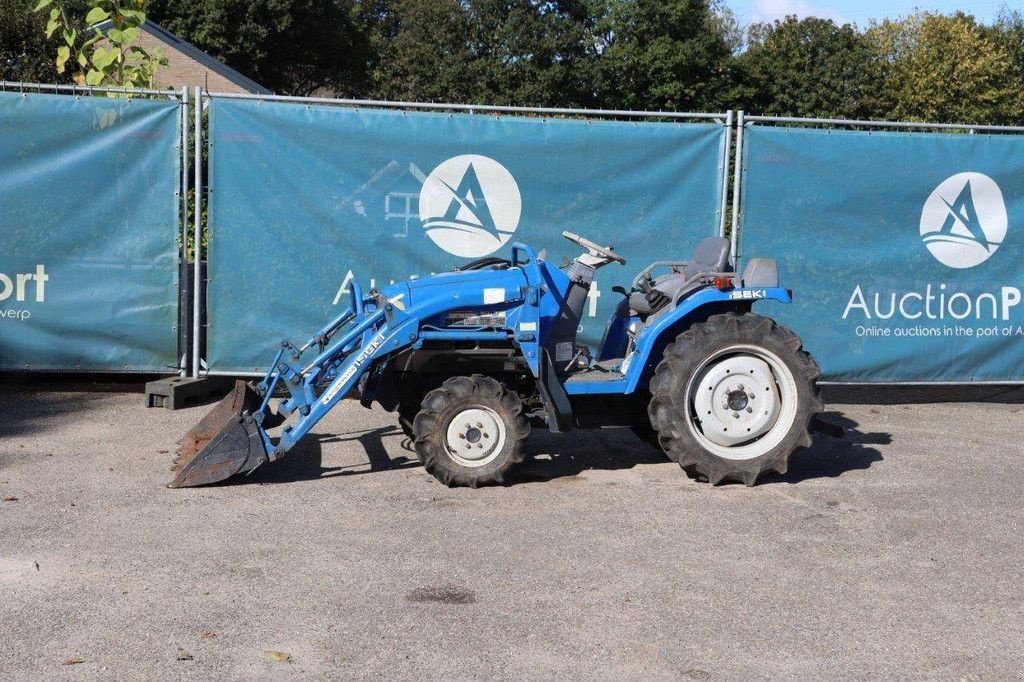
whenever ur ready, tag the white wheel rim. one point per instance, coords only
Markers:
(475, 436)
(741, 402)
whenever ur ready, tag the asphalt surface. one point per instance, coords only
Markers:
(893, 553)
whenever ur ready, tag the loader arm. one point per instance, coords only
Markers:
(371, 329)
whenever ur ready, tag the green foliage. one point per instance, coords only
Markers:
(97, 58)
(532, 53)
(522, 52)
(811, 67)
(422, 50)
(1009, 31)
(633, 54)
(662, 54)
(948, 68)
(294, 47)
(24, 54)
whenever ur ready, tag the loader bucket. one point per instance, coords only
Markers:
(225, 442)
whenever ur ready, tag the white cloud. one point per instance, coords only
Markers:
(770, 10)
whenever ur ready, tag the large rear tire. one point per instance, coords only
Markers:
(734, 397)
(470, 431)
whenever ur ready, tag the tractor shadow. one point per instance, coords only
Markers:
(556, 456)
(831, 457)
(551, 456)
(305, 461)
(564, 455)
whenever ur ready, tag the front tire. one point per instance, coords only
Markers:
(470, 431)
(734, 397)
(408, 408)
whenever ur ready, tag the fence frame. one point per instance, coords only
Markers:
(190, 288)
(743, 121)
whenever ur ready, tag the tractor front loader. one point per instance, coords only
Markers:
(472, 359)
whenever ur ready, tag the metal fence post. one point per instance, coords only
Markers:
(725, 173)
(184, 298)
(737, 175)
(197, 206)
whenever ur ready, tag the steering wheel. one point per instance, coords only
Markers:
(594, 249)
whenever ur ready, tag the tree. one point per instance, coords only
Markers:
(1009, 30)
(948, 69)
(812, 67)
(421, 51)
(294, 47)
(662, 54)
(24, 53)
(532, 52)
(521, 52)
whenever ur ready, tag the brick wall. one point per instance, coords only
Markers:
(183, 70)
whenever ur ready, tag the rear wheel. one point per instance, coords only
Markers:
(470, 431)
(733, 397)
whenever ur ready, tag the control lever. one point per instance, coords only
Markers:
(656, 298)
(646, 283)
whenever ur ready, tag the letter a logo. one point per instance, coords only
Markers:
(964, 220)
(470, 205)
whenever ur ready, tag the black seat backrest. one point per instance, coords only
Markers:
(711, 255)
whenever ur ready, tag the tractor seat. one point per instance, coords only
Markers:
(711, 255)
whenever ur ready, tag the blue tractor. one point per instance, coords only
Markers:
(471, 359)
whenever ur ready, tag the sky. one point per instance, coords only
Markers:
(860, 12)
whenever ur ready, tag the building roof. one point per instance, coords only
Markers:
(205, 59)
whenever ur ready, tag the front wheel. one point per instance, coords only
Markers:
(470, 431)
(734, 397)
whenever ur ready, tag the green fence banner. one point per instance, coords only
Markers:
(904, 249)
(89, 212)
(306, 199)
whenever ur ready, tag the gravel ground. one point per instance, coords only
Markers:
(893, 553)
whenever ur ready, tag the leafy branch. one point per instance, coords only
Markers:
(102, 58)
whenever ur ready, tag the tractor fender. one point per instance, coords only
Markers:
(694, 308)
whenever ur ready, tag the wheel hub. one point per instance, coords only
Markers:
(475, 436)
(736, 400)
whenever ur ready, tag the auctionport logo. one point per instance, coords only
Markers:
(964, 220)
(963, 223)
(470, 205)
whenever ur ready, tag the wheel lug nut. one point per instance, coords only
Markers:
(736, 415)
(750, 410)
(487, 435)
(479, 425)
(740, 387)
(462, 436)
